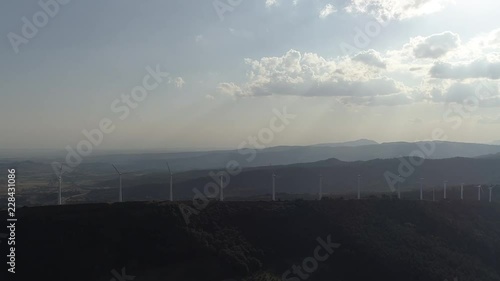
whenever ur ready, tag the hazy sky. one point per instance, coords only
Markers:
(386, 70)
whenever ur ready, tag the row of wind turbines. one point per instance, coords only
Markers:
(273, 196)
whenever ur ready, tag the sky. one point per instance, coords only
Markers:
(219, 72)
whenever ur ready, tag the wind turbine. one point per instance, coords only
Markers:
(444, 190)
(421, 188)
(171, 183)
(60, 185)
(359, 187)
(120, 196)
(491, 191)
(221, 188)
(479, 189)
(399, 188)
(462, 191)
(320, 186)
(274, 186)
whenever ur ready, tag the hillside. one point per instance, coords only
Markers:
(379, 240)
(292, 181)
(339, 178)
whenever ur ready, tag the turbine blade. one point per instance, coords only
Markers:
(116, 169)
(169, 171)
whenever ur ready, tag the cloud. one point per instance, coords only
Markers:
(435, 46)
(370, 57)
(270, 3)
(327, 10)
(484, 93)
(379, 100)
(310, 75)
(394, 77)
(489, 120)
(209, 97)
(229, 89)
(198, 38)
(179, 82)
(385, 10)
(481, 68)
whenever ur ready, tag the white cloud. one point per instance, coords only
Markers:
(270, 3)
(401, 76)
(385, 10)
(309, 74)
(489, 120)
(435, 46)
(210, 97)
(327, 10)
(198, 38)
(481, 68)
(179, 82)
(370, 57)
(229, 89)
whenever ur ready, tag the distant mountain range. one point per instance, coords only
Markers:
(361, 150)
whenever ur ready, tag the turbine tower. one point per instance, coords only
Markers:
(462, 191)
(320, 186)
(421, 188)
(479, 188)
(399, 188)
(171, 183)
(120, 195)
(274, 186)
(59, 201)
(221, 188)
(359, 187)
(491, 191)
(444, 190)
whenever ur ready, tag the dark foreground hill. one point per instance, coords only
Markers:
(330, 240)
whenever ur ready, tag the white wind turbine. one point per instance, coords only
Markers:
(274, 186)
(221, 193)
(120, 196)
(491, 191)
(171, 183)
(479, 189)
(59, 177)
